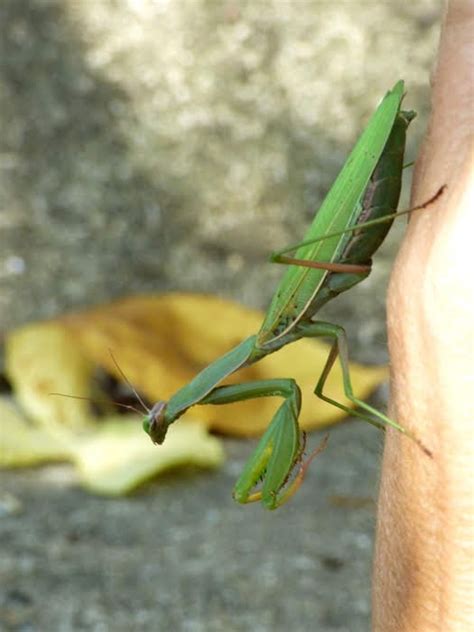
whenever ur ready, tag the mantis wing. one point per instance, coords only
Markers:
(299, 285)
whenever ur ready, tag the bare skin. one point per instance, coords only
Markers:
(424, 560)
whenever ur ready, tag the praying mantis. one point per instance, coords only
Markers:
(335, 255)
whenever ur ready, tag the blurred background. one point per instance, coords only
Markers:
(160, 145)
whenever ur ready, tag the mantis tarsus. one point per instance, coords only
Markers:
(335, 255)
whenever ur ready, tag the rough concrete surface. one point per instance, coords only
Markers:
(181, 555)
(157, 145)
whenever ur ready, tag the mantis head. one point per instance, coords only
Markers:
(154, 424)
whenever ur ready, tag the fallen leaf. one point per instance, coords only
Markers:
(24, 445)
(44, 358)
(160, 343)
(116, 459)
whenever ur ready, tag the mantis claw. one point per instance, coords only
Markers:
(277, 455)
(273, 499)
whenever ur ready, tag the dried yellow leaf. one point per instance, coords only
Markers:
(43, 358)
(24, 445)
(160, 343)
(116, 459)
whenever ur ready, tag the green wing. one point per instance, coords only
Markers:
(299, 285)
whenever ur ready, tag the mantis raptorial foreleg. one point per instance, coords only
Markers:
(280, 449)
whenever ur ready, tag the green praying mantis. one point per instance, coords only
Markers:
(335, 255)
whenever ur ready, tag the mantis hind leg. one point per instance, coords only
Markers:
(339, 349)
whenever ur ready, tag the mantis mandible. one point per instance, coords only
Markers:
(335, 255)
